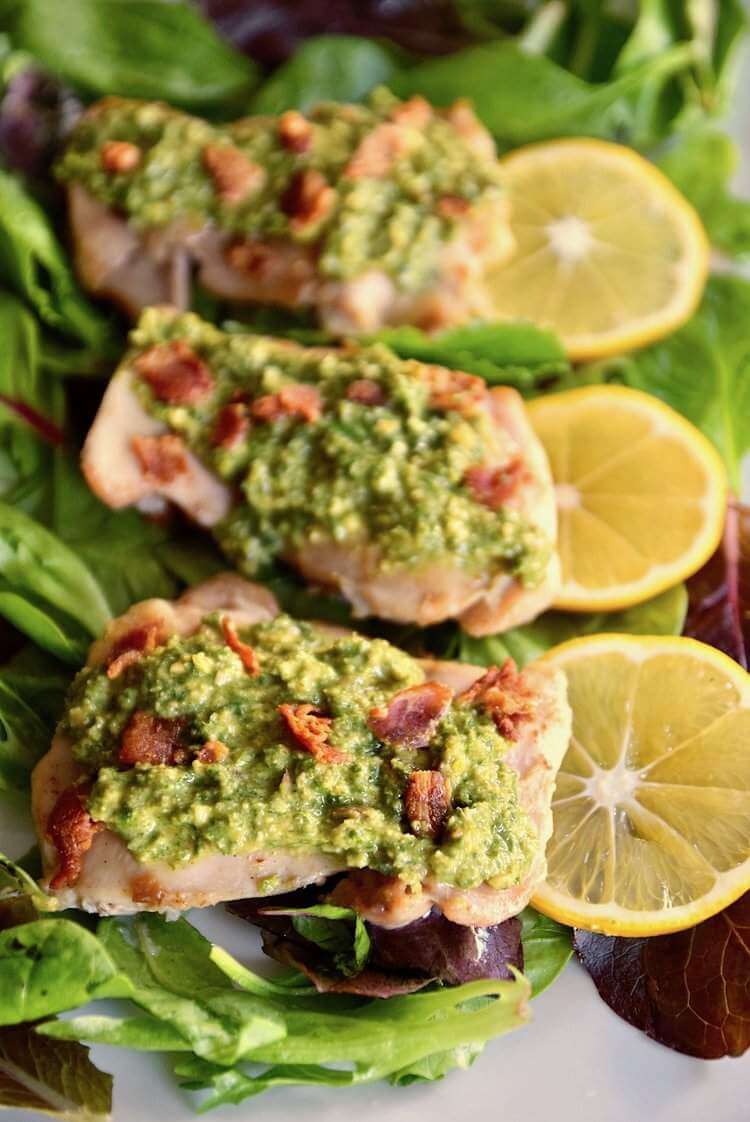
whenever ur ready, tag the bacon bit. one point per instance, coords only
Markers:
(130, 648)
(502, 693)
(71, 829)
(231, 426)
(411, 716)
(234, 175)
(254, 259)
(427, 801)
(453, 389)
(311, 731)
(453, 207)
(162, 458)
(470, 129)
(378, 152)
(295, 400)
(415, 113)
(246, 653)
(147, 739)
(146, 889)
(365, 392)
(308, 200)
(494, 486)
(119, 157)
(212, 752)
(175, 373)
(295, 131)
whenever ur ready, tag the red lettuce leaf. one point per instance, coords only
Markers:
(690, 991)
(719, 594)
(270, 31)
(401, 959)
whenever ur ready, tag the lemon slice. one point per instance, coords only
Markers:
(652, 806)
(641, 494)
(608, 253)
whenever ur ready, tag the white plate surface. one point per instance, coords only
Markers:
(575, 1062)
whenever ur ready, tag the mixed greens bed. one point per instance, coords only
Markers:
(653, 75)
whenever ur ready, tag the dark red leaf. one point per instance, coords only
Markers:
(719, 595)
(690, 991)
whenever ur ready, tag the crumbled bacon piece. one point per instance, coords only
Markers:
(175, 373)
(412, 715)
(245, 652)
(162, 458)
(231, 425)
(378, 152)
(119, 157)
(235, 176)
(147, 739)
(452, 207)
(494, 486)
(453, 389)
(71, 829)
(311, 731)
(295, 400)
(415, 112)
(427, 802)
(295, 131)
(131, 647)
(502, 693)
(364, 391)
(308, 200)
(212, 752)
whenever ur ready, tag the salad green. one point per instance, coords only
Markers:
(655, 75)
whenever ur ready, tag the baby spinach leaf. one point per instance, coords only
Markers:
(702, 164)
(547, 948)
(51, 965)
(338, 931)
(662, 615)
(136, 48)
(688, 990)
(33, 264)
(54, 1077)
(515, 354)
(327, 68)
(24, 738)
(523, 97)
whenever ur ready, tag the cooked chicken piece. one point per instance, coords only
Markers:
(106, 878)
(132, 456)
(387, 213)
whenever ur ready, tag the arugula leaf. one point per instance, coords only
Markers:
(517, 354)
(523, 97)
(33, 264)
(136, 48)
(547, 948)
(329, 67)
(702, 164)
(16, 883)
(51, 965)
(715, 343)
(53, 1077)
(662, 615)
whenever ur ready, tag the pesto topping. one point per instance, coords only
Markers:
(390, 473)
(269, 793)
(395, 220)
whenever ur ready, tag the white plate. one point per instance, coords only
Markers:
(575, 1062)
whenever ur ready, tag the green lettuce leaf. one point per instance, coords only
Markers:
(135, 48)
(51, 1076)
(327, 68)
(662, 615)
(702, 164)
(340, 931)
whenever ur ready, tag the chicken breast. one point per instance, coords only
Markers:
(417, 492)
(375, 214)
(109, 879)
